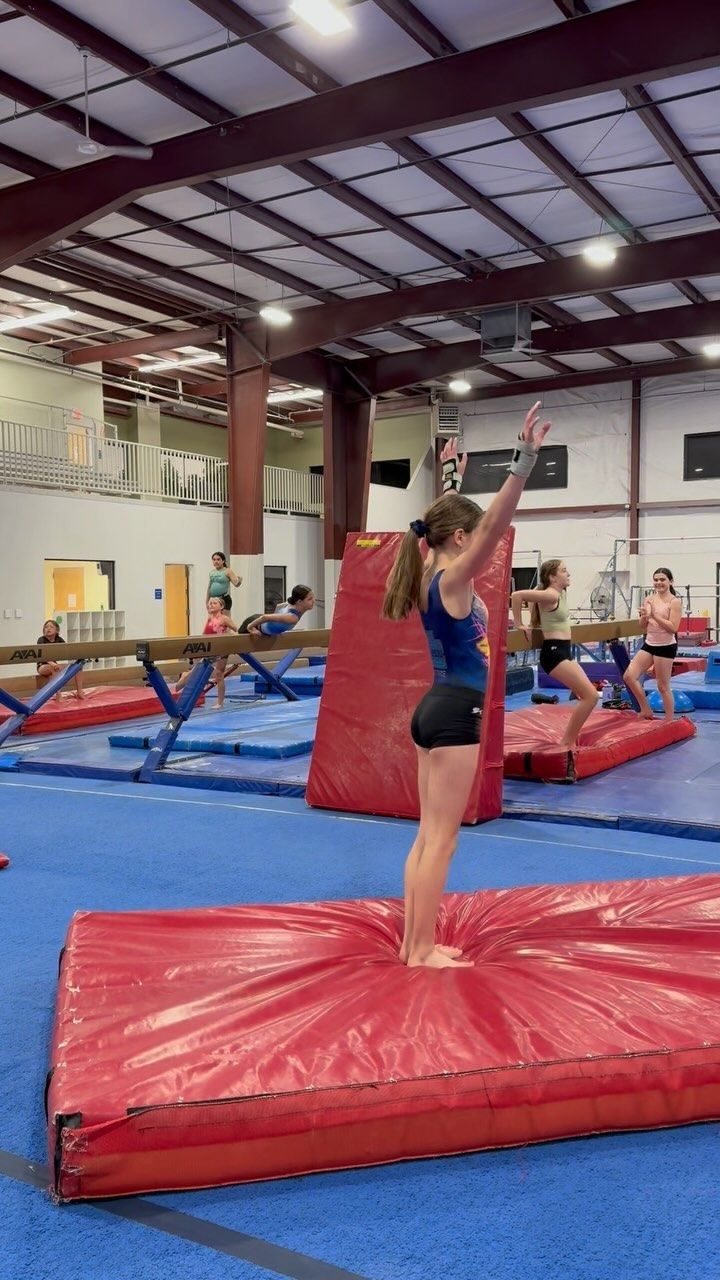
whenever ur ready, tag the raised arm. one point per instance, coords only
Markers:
(502, 508)
(546, 598)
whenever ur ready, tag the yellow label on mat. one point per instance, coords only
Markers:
(368, 542)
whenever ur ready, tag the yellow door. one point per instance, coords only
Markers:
(69, 589)
(177, 600)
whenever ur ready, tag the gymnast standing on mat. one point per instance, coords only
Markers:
(219, 623)
(445, 728)
(550, 615)
(660, 615)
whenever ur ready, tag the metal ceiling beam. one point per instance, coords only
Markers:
(241, 23)
(664, 134)
(414, 23)
(86, 36)
(170, 340)
(635, 265)
(590, 378)
(390, 372)
(520, 127)
(643, 326)
(549, 65)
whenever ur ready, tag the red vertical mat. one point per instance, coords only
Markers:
(364, 759)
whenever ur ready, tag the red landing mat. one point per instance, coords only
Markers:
(200, 1048)
(99, 706)
(681, 666)
(608, 738)
(363, 759)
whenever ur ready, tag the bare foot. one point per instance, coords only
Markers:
(438, 960)
(647, 715)
(453, 952)
(568, 746)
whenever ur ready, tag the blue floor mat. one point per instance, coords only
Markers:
(267, 730)
(631, 1206)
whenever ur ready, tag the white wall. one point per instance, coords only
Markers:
(392, 509)
(297, 543)
(140, 537)
(42, 396)
(684, 540)
(594, 423)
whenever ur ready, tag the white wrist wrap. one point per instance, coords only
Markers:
(451, 478)
(523, 459)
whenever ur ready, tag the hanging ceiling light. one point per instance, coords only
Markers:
(599, 253)
(35, 318)
(459, 386)
(182, 362)
(276, 316)
(324, 16)
(712, 349)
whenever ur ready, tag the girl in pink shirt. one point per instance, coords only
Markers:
(660, 615)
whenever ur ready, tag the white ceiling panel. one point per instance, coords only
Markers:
(373, 46)
(405, 191)
(447, 331)
(504, 170)
(388, 342)
(242, 80)
(695, 119)
(599, 138)
(313, 267)
(387, 252)
(9, 177)
(319, 213)
(466, 230)
(40, 138)
(583, 360)
(560, 219)
(642, 352)
(162, 30)
(649, 198)
(649, 296)
(471, 23)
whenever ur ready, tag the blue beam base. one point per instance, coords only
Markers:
(178, 709)
(621, 658)
(38, 700)
(274, 675)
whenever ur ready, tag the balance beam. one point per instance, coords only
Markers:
(586, 631)
(165, 649)
(183, 647)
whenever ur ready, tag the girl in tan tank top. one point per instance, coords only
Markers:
(660, 615)
(550, 615)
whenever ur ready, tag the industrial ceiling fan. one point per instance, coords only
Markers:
(88, 146)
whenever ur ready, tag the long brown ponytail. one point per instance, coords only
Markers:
(548, 569)
(446, 514)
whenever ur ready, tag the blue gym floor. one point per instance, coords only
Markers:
(675, 791)
(636, 1206)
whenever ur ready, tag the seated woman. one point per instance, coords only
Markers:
(285, 617)
(48, 669)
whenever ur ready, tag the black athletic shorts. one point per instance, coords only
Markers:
(553, 652)
(661, 650)
(448, 716)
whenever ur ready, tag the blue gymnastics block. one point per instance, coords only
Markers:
(681, 701)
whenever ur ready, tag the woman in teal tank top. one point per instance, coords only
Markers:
(221, 575)
(550, 615)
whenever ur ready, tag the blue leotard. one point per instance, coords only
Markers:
(277, 628)
(459, 649)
